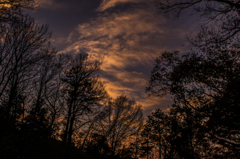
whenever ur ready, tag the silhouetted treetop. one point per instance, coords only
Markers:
(9, 9)
(207, 85)
(222, 18)
(211, 9)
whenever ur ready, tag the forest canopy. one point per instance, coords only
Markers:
(204, 84)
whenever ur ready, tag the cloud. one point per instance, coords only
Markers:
(51, 4)
(127, 43)
(106, 4)
(125, 82)
(118, 38)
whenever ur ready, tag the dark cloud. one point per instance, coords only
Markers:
(127, 35)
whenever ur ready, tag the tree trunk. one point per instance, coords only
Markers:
(160, 149)
(70, 132)
(67, 125)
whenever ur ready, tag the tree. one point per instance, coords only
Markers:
(22, 49)
(51, 84)
(98, 147)
(155, 128)
(45, 104)
(207, 85)
(116, 126)
(123, 121)
(11, 9)
(90, 128)
(203, 83)
(82, 91)
(25, 60)
(171, 134)
(222, 17)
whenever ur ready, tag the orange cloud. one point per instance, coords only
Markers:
(128, 43)
(125, 83)
(116, 38)
(112, 3)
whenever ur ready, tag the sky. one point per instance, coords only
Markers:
(126, 35)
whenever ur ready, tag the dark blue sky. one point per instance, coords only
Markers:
(127, 35)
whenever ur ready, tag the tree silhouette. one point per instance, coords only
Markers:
(155, 128)
(120, 121)
(98, 146)
(206, 85)
(82, 90)
(123, 122)
(23, 48)
(37, 85)
(12, 9)
(221, 17)
(45, 103)
(203, 82)
(27, 67)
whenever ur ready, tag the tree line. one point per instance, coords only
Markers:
(49, 96)
(46, 95)
(203, 119)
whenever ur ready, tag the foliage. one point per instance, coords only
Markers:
(206, 87)
(203, 83)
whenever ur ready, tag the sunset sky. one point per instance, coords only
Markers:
(127, 35)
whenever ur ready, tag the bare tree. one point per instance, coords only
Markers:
(222, 19)
(124, 119)
(22, 48)
(52, 97)
(45, 96)
(82, 91)
(11, 9)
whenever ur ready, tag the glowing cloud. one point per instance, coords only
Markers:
(120, 39)
(127, 43)
(112, 3)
